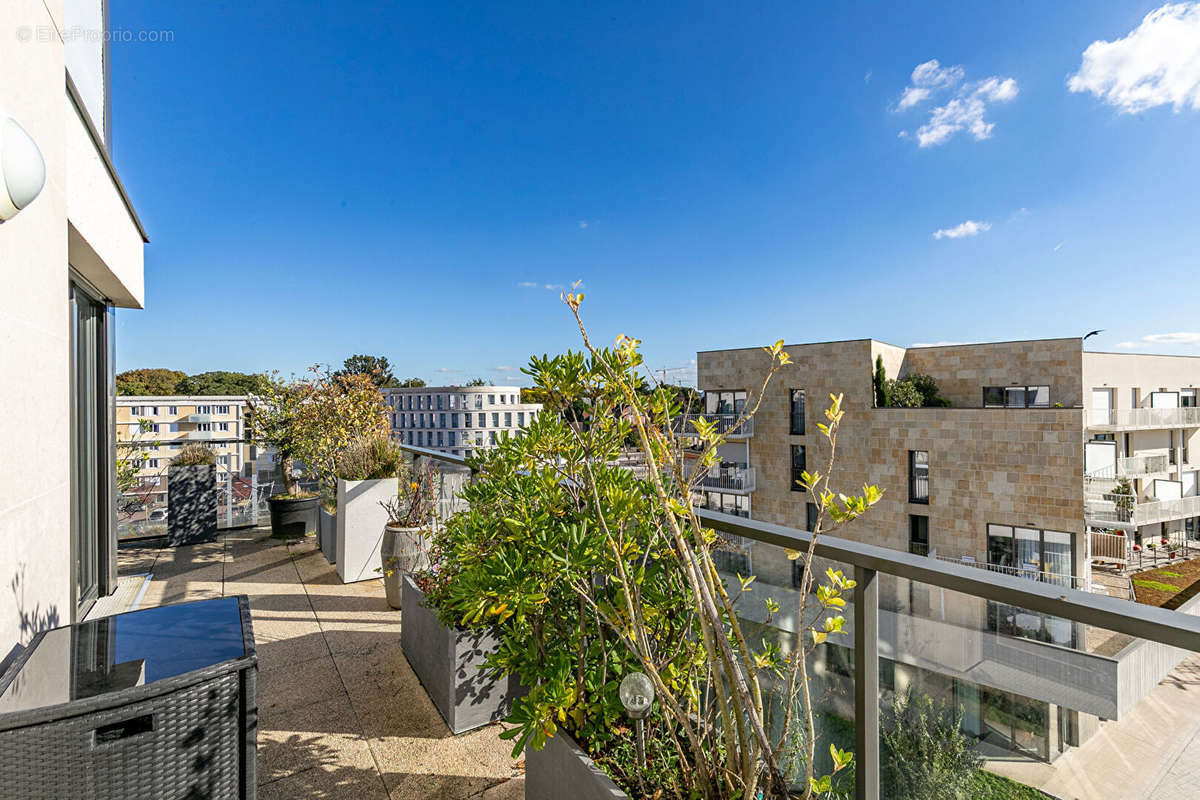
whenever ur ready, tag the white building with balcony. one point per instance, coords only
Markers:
(457, 419)
(70, 256)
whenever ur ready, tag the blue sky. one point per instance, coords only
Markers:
(321, 179)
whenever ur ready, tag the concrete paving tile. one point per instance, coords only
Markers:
(333, 781)
(295, 685)
(513, 789)
(323, 733)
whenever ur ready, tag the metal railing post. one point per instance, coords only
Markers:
(866, 684)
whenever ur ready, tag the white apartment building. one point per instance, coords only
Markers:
(457, 419)
(156, 428)
(68, 259)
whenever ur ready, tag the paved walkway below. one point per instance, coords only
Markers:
(1153, 753)
(342, 716)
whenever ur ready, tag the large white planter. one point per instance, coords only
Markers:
(360, 521)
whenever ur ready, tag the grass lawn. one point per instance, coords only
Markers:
(993, 787)
(1168, 586)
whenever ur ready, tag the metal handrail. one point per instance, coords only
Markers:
(1122, 616)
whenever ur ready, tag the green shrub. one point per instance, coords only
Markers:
(368, 458)
(1157, 586)
(194, 455)
(916, 390)
(925, 755)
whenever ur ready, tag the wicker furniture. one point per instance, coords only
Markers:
(157, 704)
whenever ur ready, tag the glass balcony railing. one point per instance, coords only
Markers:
(727, 425)
(143, 502)
(1024, 668)
(1145, 418)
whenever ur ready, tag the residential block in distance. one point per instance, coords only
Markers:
(457, 419)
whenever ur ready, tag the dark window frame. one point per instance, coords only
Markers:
(915, 545)
(796, 470)
(1028, 390)
(796, 427)
(914, 481)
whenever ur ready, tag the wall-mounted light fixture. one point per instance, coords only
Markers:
(22, 170)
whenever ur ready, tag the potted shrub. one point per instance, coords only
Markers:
(308, 421)
(280, 418)
(367, 471)
(586, 573)
(1124, 500)
(405, 547)
(192, 496)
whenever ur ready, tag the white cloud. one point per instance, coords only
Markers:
(962, 230)
(447, 369)
(867, 77)
(1129, 345)
(528, 284)
(536, 285)
(963, 111)
(1182, 337)
(1057, 247)
(583, 223)
(504, 368)
(1156, 63)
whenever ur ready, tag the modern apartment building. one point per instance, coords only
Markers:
(156, 428)
(68, 259)
(457, 419)
(1013, 476)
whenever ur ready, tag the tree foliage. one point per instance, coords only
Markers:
(925, 754)
(311, 419)
(219, 382)
(880, 382)
(477, 382)
(915, 390)
(411, 383)
(144, 382)
(376, 368)
(587, 572)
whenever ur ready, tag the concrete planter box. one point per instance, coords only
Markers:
(447, 662)
(404, 551)
(561, 764)
(192, 504)
(327, 535)
(360, 521)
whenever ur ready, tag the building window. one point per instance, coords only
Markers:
(203, 409)
(172, 410)
(441, 419)
(508, 419)
(520, 419)
(439, 402)
(222, 409)
(492, 437)
(798, 467)
(797, 427)
(221, 426)
(450, 438)
(495, 419)
(491, 399)
(152, 463)
(454, 419)
(440, 443)
(502, 399)
(724, 401)
(918, 535)
(918, 476)
(136, 411)
(1016, 397)
(204, 426)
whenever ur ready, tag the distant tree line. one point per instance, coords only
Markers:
(144, 382)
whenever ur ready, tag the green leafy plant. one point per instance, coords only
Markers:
(194, 455)
(925, 754)
(1124, 501)
(880, 382)
(915, 390)
(309, 420)
(587, 571)
(370, 457)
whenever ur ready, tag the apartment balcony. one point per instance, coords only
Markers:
(1133, 419)
(199, 418)
(738, 479)
(1134, 467)
(1102, 511)
(727, 425)
(199, 435)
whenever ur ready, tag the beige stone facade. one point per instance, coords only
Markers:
(1003, 466)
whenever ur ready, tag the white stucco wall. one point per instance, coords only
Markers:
(35, 567)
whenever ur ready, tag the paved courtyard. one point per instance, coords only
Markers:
(341, 713)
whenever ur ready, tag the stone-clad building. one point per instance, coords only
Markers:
(1015, 473)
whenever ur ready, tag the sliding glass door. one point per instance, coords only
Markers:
(91, 447)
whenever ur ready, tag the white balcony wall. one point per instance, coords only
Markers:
(35, 549)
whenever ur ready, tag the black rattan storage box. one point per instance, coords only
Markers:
(156, 704)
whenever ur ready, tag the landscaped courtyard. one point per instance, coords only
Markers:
(1168, 586)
